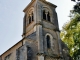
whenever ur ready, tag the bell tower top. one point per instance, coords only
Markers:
(39, 12)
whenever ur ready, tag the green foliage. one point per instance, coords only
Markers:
(77, 8)
(70, 34)
(76, 54)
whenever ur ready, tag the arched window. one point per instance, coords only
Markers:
(29, 19)
(48, 41)
(48, 16)
(29, 53)
(44, 15)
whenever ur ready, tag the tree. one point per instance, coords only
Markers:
(70, 33)
(77, 7)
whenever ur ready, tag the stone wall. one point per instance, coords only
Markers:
(33, 44)
(0, 58)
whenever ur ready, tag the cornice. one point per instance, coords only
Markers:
(28, 5)
(41, 1)
(51, 4)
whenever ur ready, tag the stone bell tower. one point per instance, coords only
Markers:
(40, 24)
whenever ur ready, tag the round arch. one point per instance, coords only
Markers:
(51, 38)
(47, 9)
(47, 13)
(31, 10)
(30, 15)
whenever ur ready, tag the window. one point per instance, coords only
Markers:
(46, 15)
(31, 17)
(29, 53)
(48, 41)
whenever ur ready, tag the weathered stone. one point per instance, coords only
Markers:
(36, 27)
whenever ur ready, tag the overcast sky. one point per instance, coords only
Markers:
(11, 19)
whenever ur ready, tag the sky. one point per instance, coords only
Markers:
(11, 19)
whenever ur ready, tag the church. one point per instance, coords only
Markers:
(41, 35)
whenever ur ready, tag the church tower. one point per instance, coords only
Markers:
(40, 38)
(41, 31)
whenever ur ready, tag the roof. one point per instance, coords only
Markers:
(46, 2)
(49, 3)
(12, 47)
(28, 5)
(15, 45)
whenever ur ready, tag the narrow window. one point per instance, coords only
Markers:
(29, 53)
(48, 16)
(32, 17)
(48, 41)
(29, 19)
(44, 15)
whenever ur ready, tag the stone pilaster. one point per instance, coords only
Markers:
(39, 36)
(59, 42)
